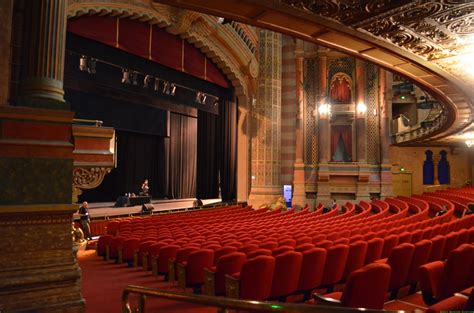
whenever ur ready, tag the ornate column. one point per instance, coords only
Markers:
(324, 193)
(45, 38)
(243, 147)
(6, 13)
(39, 271)
(385, 92)
(266, 123)
(361, 133)
(299, 194)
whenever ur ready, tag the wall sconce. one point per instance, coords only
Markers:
(324, 109)
(469, 143)
(361, 108)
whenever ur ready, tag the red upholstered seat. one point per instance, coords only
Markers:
(374, 250)
(286, 274)
(456, 303)
(255, 279)
(287, 242)
(426, 234)
(304, 247)
(404, 237)
(258, 252)
(165, 254)
(114, 245)
(463, 237)
(416, 235)
(451, 243)
(129, 247)
(212, 246)
(222, 251)
(355, 258)
(281, 250)
(102, 243)
(228, 264)
(318, 238)
(437, 248)
(325, 244)
(194, 268)
(471, 234)
(420, 257)
(143, 248)
(399, 261)
(344, 241)
(370, 235)
(312, 268)
(390, 242)
(336, 259)
(112, 227)
(356, 238)
(439, 280)
(248, 248)
(365, 288)
(270, 245)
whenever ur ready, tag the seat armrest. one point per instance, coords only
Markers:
(232, 287)
(381, 261)
(171, 270)
(209, 282)
(321, 300)
(181, 274)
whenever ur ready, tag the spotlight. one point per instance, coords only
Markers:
(198, 97)
(146, 81)
(203, 98)
(173, 89)
(91, 67)
(166, 87)
(134, 78)
(83, 63)
(157, 84)
(223, 21)
(125, 76)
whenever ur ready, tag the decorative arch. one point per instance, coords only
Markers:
(203, 35)
(340, 88)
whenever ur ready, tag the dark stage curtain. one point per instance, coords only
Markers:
(183, 153)
(207, 156)
(343, 132)
(228, 144)
(139, 156)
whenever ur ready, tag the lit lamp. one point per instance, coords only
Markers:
(361, 108)
(324, 109)
(469, 143)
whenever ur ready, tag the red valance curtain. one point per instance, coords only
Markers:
(344, 132)
(149, 42)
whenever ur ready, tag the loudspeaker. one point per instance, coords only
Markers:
(147, 207)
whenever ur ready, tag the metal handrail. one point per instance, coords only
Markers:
(96, 123)
(223, 303)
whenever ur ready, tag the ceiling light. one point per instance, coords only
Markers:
(83, 63)
(173, 89)
(91, 66)
(125, 76)
(147, 81)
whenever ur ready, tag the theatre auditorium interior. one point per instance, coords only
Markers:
(236, 156)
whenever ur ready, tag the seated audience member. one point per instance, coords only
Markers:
(469, 210)
(443, 210)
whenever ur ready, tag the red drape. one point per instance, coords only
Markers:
(344, 131)
(340, 90)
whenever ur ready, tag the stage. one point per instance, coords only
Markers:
(107, 210)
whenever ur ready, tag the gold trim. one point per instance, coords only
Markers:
(182, 55)
(23, 113)
(150, 41)
(27, 208)
(117, 30)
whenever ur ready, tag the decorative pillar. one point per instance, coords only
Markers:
(324, 193)
(266, 124)
(45, 39)
(6, 13)
(361, 133)
(299, 194)
(385, 92)
(39, 271)
(243, 148)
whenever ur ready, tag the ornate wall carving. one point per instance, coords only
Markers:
(372, 95)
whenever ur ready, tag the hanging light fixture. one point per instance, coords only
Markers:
(134, 78)
(173, 89)
(157, 84)
(198, 97)
(91, 67)
(147, 81)
(166, 87)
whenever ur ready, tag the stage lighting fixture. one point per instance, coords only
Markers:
(146, 81)
(134, 78)
(91, 67)
(203, 98)
(125, 76)
(83, 63)
(166, 87)
(173, 89)
(198, 97)
(157, 84)
(223, 21)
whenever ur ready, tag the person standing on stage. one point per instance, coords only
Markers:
(145, 189)
(85, 220)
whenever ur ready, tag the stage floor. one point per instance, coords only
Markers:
(105, 210)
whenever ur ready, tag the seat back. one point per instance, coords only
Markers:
(451, 243)
(182, 254)
(390, 242)
(312, 268)
(416, 236)
(335, 264)
(166, 253)
(287, 242)
(256, 278)
(374, 250)
(437, 248)
(420, 257)
(304, 247)
(281, 250)
(195, 264)
(404, 237)
(355, 258)
(222, 251)
(258, 252)
(456, 269)
(270, 245)
(367, 287)
(248, 248)
(325, 244)
(102, 243)
(286, 273)
(463, 237)
(399, 261)
(227, 264)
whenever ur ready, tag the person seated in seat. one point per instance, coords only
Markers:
(469, 210)
(331, 207)
(443, 210)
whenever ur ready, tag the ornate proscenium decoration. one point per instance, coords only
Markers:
(94, 148)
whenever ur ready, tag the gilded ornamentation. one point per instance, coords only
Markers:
(88, 178)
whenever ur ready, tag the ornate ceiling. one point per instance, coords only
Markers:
(430, 42)
(441, 32)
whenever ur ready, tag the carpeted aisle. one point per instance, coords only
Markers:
(103, 284)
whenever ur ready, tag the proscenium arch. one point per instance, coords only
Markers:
(274, 15)
(145, 13)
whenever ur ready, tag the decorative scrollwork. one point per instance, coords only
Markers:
(88, 178)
